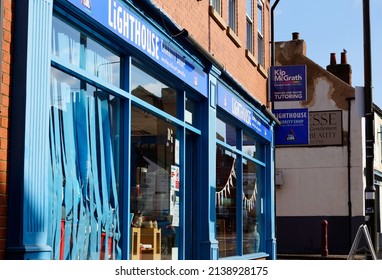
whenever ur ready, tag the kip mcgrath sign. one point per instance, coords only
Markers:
(287, 83)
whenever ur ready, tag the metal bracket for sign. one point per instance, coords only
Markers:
(362, 229)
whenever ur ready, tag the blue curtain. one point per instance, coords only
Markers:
(83, 180)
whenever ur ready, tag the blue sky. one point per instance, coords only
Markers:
(329, 26)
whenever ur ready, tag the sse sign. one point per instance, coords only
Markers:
(325, 128)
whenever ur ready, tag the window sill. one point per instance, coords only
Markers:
(217, 17)
(262, 71)
(232, 35)
(251, 58)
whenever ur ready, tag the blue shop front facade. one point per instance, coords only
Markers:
(126, 143)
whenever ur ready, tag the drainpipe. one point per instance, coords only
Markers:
(273, 60)
(349, 171)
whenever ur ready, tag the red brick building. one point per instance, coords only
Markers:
(229, 44)
(6, 42)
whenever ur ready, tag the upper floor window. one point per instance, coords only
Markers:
(217, 5)
(249, 25)
(260, 31)
(232, 15)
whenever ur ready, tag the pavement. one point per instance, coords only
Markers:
(329, 257)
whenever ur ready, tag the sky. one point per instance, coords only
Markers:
(330, 26)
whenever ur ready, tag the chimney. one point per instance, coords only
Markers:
(296, 36)
(286, 50)
(333, 60)
(342, 70)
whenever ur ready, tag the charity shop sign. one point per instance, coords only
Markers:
(287, 83)
(294, 128)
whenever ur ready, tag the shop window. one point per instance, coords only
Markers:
(84, 172)
(252, 215)
(76, 48)
(226, 132)
(226, 209)
(153, 91)
(190, 113)
(240, 172)
(252, 147)
(154, 187)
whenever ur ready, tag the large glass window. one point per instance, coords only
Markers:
(240, 171)
(226, 208)
(154, 187)
(151, 90)
(226, 132)
(84, 170)
(84, 149)
(78, 49)
(252, 215)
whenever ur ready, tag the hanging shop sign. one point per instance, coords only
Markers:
(294, 126)
(138, 32)
(237, 108)
(325, 128)
(287, 83)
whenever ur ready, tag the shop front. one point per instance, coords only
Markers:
(128, 150)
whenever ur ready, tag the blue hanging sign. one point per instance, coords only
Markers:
(138, 32)
(237, 108)
(294, 128)
(287, 83)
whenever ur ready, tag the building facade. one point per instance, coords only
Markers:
(5, 70)
(322, 180)
(142, 131)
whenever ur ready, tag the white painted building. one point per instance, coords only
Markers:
(323, 180)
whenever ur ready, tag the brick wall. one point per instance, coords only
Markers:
(194, 16)
(4, 121)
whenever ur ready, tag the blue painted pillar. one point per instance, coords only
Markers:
(271, 200)
(206, 236)
(29, 143)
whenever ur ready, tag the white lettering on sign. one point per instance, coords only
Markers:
(132, 29)
(291, 115)
(282, 76)
(241, 112)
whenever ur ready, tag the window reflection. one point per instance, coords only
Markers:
(226, 202)
(226, 132)
(78, 49)
(251, 227)
(151, 90)
(154, 195)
